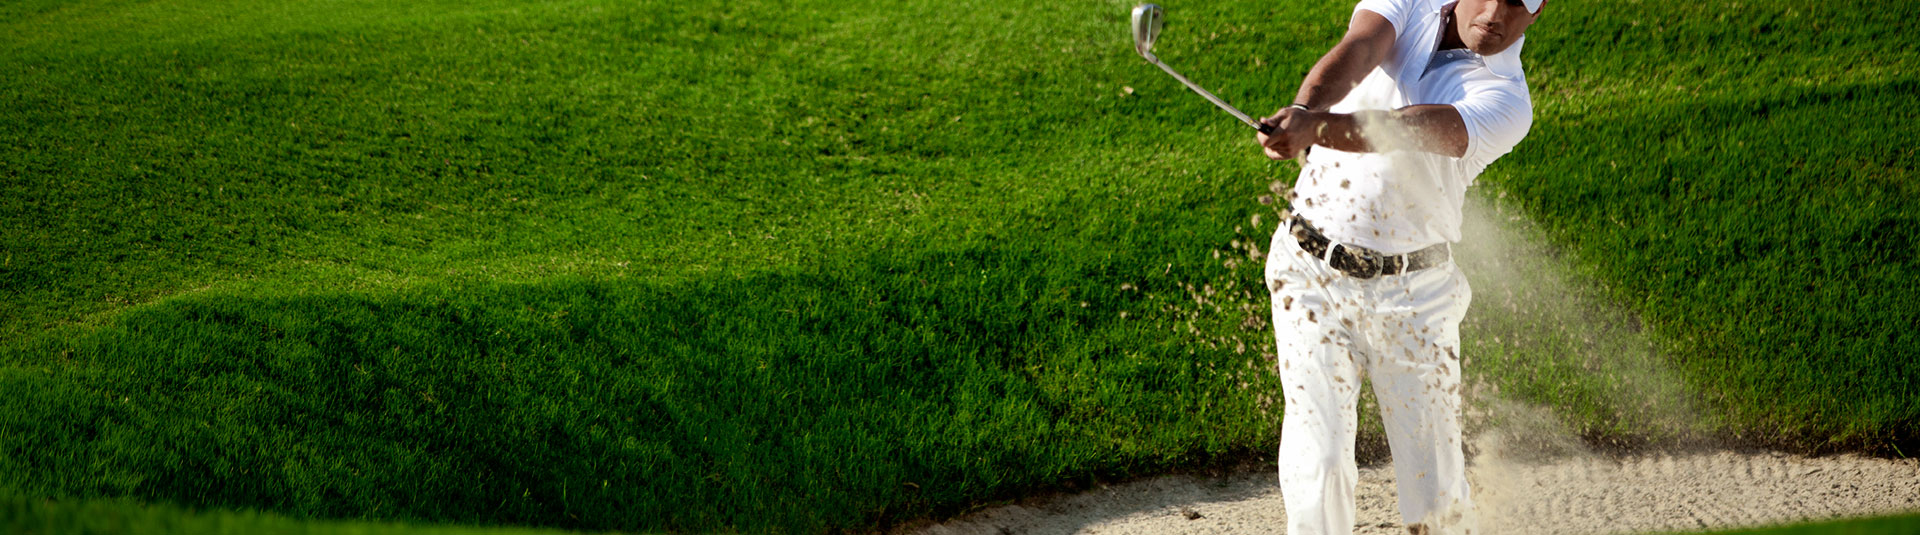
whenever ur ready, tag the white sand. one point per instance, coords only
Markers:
(1581, 494)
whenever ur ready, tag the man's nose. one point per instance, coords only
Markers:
(1497, 14)
(1500, 11)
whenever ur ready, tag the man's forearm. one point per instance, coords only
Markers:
(1342, 131)
(1434, 128)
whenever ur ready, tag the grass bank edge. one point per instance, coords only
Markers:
(40, 516)
(1889, 524)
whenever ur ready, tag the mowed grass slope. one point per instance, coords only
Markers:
(593, 265)
(806, 266)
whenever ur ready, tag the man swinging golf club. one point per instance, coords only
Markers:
(1400, 117)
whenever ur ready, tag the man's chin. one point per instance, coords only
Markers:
(1489, 49)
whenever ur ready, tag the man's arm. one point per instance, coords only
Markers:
(1368, 41)
(1435, 128)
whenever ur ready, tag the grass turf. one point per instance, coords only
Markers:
(1886, 525)
(806, 266)
(27, 516)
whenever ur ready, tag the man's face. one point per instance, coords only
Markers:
(1488, 27)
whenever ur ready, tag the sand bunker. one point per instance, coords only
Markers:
(1572, 495)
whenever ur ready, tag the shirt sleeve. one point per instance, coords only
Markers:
(1497, 113)
(1397, 12)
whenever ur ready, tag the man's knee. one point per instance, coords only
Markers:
(1316, 462)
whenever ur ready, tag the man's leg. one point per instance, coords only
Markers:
(1321, 379)
(1416, 376)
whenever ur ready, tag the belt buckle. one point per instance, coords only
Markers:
(1397, 264)
(1359, 265)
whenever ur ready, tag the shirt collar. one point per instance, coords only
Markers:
(1506, 64)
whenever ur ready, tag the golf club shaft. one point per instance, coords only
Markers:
(1216, 100)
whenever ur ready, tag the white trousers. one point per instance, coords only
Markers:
(1404, 332)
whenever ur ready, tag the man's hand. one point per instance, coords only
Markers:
(1294, 130)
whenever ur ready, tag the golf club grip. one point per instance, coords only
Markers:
(1264, 128)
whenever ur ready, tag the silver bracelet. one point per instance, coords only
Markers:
(1303, 107)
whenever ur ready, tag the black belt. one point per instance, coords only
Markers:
(1361, 263)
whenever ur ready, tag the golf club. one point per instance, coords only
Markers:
(1146, 27)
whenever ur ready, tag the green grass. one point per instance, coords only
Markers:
(807, 266)
(25, 516)
(594, 266)
(1887, 525)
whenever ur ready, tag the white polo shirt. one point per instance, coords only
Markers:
(1400, 201)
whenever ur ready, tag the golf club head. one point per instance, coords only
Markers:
(1146, 27)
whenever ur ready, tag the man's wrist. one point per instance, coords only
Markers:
(1315, 124)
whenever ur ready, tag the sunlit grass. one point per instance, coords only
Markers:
(763, 266)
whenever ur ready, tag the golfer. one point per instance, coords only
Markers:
(1391, 126)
